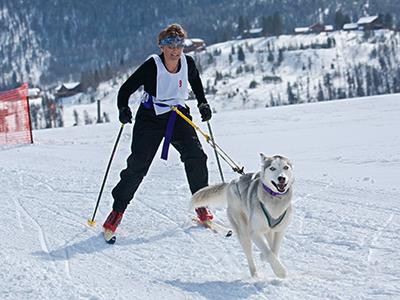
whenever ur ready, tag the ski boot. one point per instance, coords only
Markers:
(110, 226)
(204, 214)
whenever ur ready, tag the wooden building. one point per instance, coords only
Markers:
(68, 89)
(369, 23)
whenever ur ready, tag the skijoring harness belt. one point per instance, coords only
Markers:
(170, 125)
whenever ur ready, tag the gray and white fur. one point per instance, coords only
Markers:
(244, 197)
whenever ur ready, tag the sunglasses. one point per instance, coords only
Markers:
(173, 42)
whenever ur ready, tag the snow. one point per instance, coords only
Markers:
(350, 26)
(343, 242)
(366, 20)
(68, 85)
(34, 92)
(302, 29)
(303, 65)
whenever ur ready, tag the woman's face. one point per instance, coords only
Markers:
(172, 54)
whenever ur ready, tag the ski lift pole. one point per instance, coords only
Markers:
(235, 167)
(92, 222)
(215, 152)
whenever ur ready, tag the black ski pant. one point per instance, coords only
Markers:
(148, 132)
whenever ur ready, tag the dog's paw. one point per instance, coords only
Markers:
(281, 272)
(255, 275)
(278, 268)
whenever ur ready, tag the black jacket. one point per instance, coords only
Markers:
(146, 75)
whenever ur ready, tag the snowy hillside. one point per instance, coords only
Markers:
(301, 68)
(49, 42)
(281, 70)
(343, 242)
(22, 58)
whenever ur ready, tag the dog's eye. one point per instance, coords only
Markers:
(272, 169)
(286, 167)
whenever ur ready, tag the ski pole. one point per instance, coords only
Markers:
(235, 167)
(215, 152)
(92, 222)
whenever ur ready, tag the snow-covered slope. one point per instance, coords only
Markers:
(281, 70)
(309, 67)
(21, 57)
(343, 241)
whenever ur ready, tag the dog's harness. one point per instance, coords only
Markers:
(271, 221)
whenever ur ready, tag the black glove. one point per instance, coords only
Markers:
(125, 115)
(205, 112)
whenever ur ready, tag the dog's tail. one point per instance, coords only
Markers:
(214, 195)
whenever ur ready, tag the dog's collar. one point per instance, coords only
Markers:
(271, 192)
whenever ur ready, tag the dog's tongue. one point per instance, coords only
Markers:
(281, 187)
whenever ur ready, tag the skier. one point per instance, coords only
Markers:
(166, 79)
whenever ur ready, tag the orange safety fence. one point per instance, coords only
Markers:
(15, 125)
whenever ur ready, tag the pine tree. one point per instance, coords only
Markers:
(280, 57)
(340, 19)
(241, 25)
(270, 57)
(388, 21)
(241, 56)
(368, 79)
(360, 89)
(377, 81)
(266, 25)
(328, 85)
(291, 97)
(320, 95)
(277, 25)
(253, 84)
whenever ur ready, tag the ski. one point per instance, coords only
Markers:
(214, 227)
(109, 237)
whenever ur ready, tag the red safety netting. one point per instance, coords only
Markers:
(15, 127)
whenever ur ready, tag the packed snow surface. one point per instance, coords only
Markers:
(343, 242)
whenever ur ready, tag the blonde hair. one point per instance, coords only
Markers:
(172, 30)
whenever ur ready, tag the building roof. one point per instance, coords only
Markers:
(301, 29)
(190, 42)
(197, 40)
(349, 26)
(255, 30)
(366, 20)
(68, 85)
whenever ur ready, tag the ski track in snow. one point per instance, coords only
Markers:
(343, 242)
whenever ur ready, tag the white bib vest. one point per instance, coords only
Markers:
(172, 88)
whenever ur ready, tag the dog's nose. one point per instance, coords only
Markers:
(281, 179)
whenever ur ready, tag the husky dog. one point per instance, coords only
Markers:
(259, 208)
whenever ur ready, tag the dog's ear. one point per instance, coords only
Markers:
(263, 157)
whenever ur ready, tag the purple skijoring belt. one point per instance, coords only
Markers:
(170, 126)
(168, 135)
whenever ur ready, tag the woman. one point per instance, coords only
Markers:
(165, 78)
